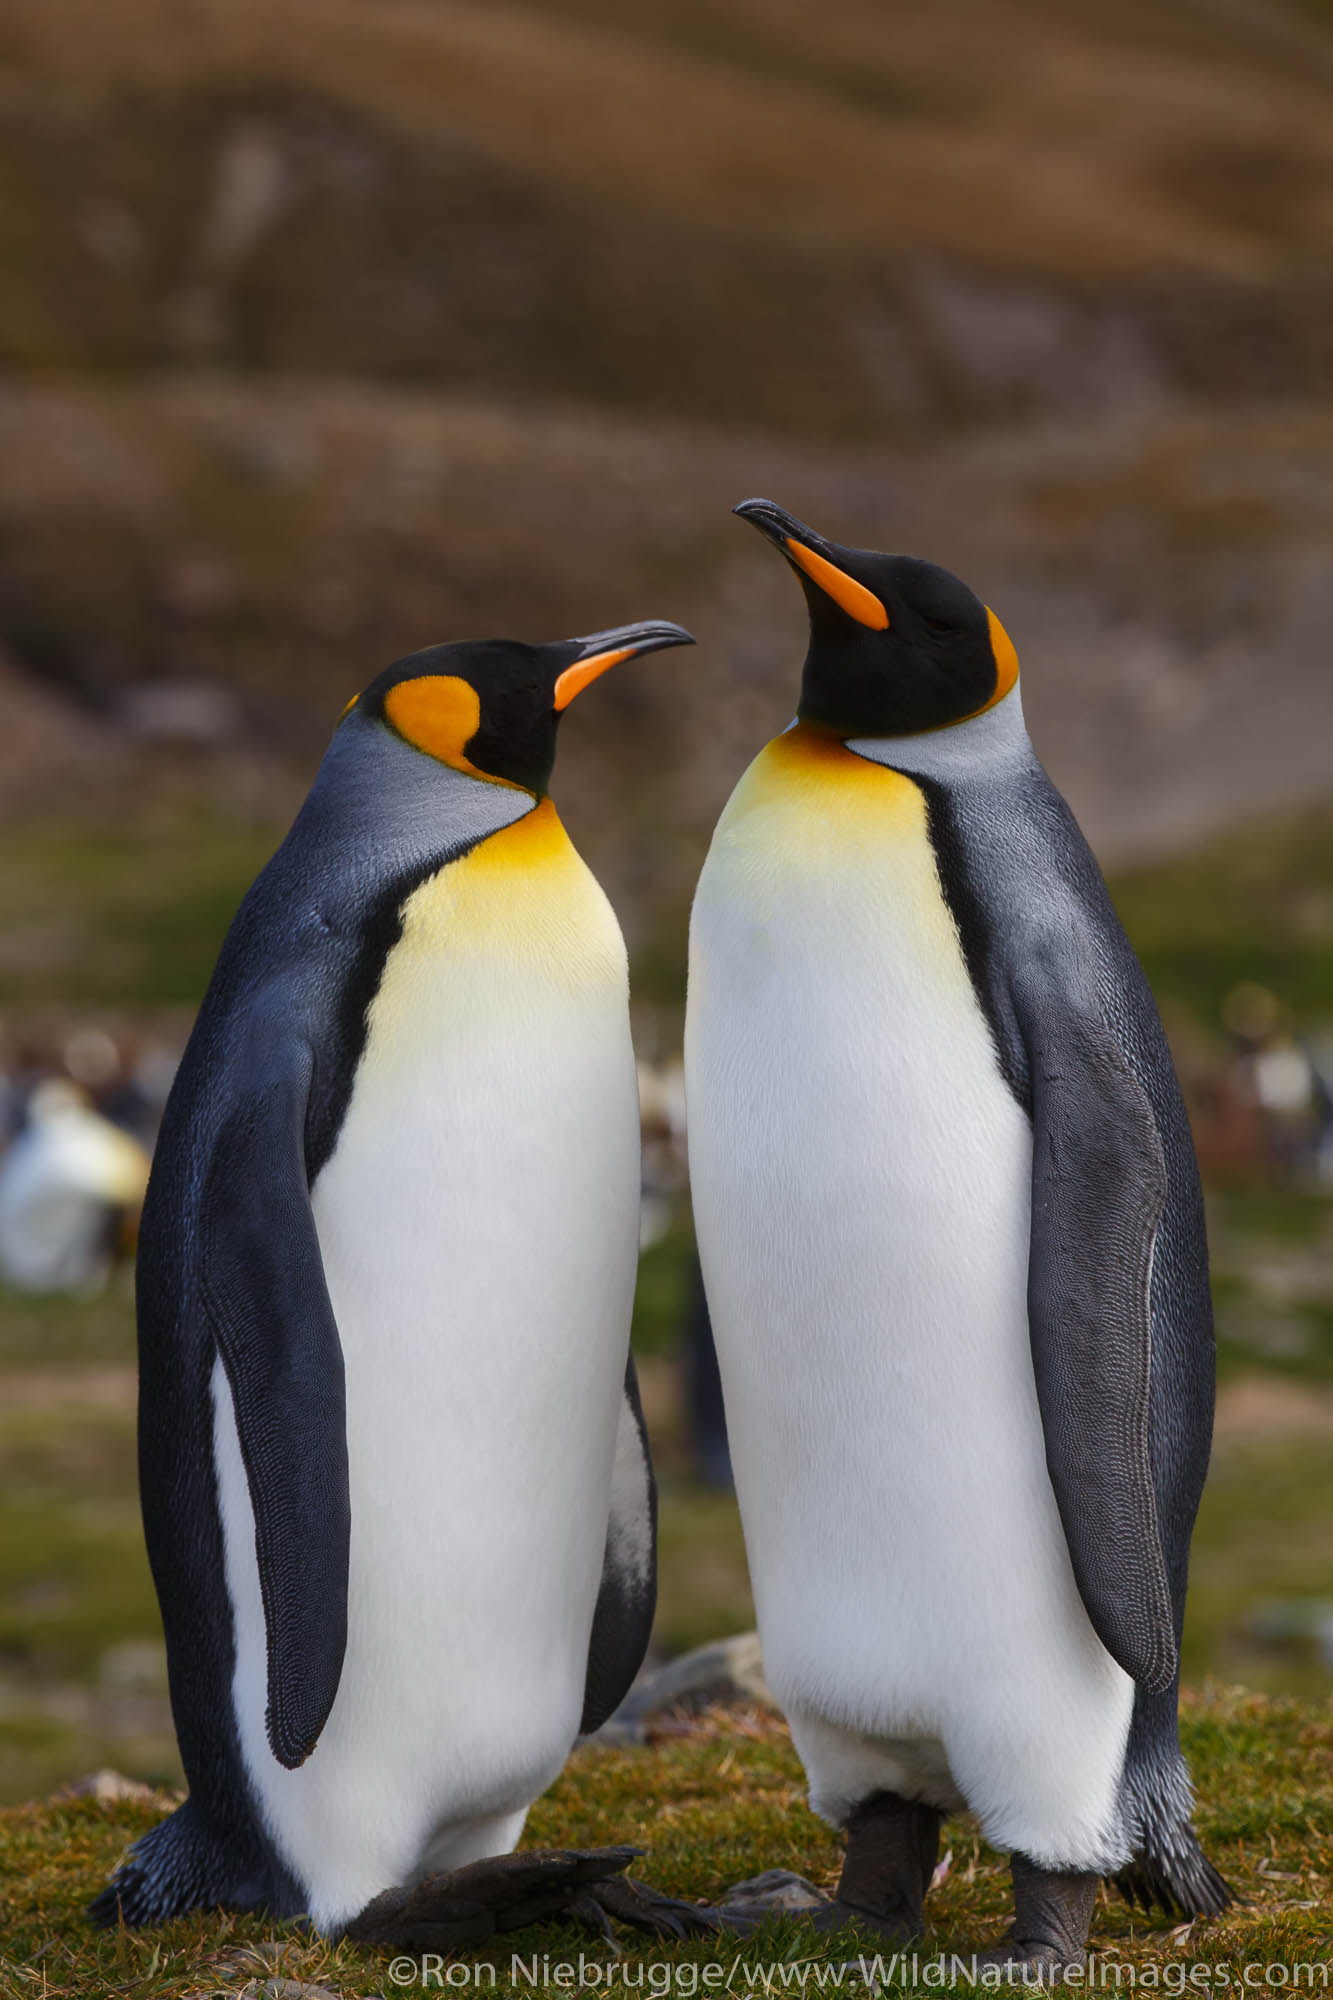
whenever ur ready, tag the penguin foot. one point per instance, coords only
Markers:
(505, 1892)
(1052, 1915)
(840, 1916)
(892, 1847)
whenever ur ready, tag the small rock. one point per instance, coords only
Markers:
(619, 1735)
(108, 1785)
(1301, 1621)
(775, 1889)
(180, 711)
(133, 1666)
(114, 234)
(198, 585)
(248, 1961)
(726, 1670)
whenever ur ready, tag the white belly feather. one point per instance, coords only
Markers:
(861, 1177)
(478, 1224)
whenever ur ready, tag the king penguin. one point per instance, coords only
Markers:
(395, 1483)
(952, 1235)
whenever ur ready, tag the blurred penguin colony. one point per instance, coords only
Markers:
(80, 1107)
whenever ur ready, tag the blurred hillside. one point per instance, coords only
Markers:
(329, 330)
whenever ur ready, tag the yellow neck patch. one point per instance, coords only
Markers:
(440, 714)
(809, 806)
(520, 899)
(537, 841)
(817, 764)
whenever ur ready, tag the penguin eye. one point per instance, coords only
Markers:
(938, 625)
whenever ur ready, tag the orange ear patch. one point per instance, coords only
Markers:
(853, 597)
(438, 714)
(1006, 659)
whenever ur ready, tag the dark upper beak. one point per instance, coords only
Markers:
(649, 637)
(600, 650)
(781, 527)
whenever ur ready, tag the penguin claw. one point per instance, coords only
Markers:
(587, 1911)
(647, 1909)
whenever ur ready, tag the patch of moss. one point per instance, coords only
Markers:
(1254, 906)
(121, 917)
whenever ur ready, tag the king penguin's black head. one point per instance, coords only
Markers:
(491, 707)
(896, 645)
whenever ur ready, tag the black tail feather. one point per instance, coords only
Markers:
(1168, 1868)
(175, 1867)
(1175, 1875)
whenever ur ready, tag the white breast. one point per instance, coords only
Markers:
(861, 1177)
(478, 1224)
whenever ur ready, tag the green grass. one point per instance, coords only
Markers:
(128, 918)
(663, 1295)
(77, 1611)
(711, 1804)
(46, 1332)
(82, 1671)
(132, 916)
(1256, 905)
(80, 1664)
(1262, 1539)
(704, 1583)
(1272, 1265)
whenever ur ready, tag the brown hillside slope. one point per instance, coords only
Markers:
(739, 209)
(1023, 135)
(1166, 582)
(330, 328)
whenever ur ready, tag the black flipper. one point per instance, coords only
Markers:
(264, 1296)
(1098, 1190)
(623, 1619)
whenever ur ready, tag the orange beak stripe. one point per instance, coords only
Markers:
(853, 597)
(574, 679)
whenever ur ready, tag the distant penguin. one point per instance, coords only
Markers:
(953, 1241)
(395, 1483)
(69, 1183)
